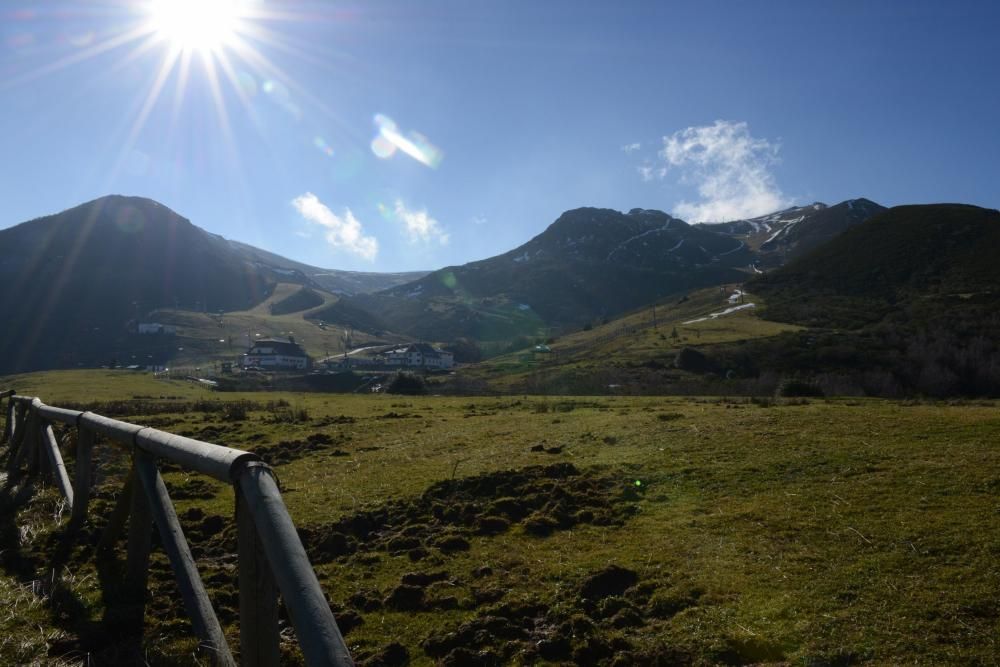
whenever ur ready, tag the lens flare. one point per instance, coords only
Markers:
(281, 96)
(417, 146)
(324, 147)
(383, 148)
(247, 83)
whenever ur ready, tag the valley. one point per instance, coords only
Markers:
(476, 334)
(664, 444)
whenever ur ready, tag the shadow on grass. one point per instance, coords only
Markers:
(48, 566)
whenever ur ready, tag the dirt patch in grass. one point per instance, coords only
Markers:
(597, 621)
(538, 500)
(287, 451)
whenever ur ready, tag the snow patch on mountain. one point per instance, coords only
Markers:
(624, 243)
(740, 246)
(727, 311)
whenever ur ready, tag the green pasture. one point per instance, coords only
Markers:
(805, 533)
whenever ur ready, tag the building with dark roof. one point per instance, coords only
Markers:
(276, 354)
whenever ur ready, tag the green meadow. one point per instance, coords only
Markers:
(527, 530)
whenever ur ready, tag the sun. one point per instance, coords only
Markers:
(196, 25)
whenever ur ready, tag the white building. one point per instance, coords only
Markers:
(277, 354)
(420, 355)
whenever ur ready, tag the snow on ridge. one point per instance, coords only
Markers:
(633, 238)
(727, 311)
(730, 252)
(783, 230)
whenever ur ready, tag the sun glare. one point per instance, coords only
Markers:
(202, 25)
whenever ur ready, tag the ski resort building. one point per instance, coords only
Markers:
(276, 354)
(420, 355)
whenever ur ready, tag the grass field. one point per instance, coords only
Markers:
(605, 530)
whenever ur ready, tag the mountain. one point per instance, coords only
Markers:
(786, 235)
(590, 263)
(332, 280)
(905, 256)
(904, 303)
(71, 284)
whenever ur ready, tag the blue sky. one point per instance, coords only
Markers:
(498, 115)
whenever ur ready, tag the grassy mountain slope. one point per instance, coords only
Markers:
(902, 258)
(332, 280)
(591, 263)
(635, 353)
(903, 304)
(298, 301)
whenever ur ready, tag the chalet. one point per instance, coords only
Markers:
(276, 354)
(419, 355)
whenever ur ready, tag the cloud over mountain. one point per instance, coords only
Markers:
(342, 232)
(730, 169)
(420, 226)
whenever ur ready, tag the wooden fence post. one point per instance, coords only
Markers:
(81, 480)
(31, 442)
(317, 631)
(140, 533)
(8, 428)
(259, 638)
(272, 559)
(119, 515)
(196, 601)
(17, 444)
(39, 465)
(55, 461)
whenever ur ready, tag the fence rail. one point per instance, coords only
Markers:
(271, 556)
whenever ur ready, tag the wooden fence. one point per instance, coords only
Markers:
(271, 556)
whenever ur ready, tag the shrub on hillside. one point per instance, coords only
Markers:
(407, 383)
(693, 361)
(799, 388)
(465, 351)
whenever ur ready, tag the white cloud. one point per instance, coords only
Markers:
(420, 226)
(631, 148)
(479, 220)
(730, 168)
(342, 232)
(649, 172)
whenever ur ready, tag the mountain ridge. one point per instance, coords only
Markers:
(105, 263)
(72, 282)
(592, 263)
